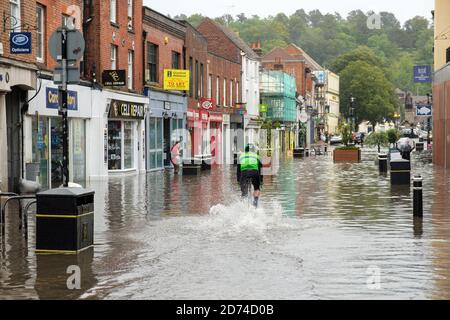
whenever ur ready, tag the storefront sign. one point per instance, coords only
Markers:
(207, 104)
(176, 79)
(424, 110)
(422, 74)
(126, 110)
(20, 42)
(114, 78)
(52, 99)
(264, 108)
(215, 117)
(204, 116)
(193, 115)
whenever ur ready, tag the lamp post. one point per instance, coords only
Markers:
(396, 117)
(352, 111)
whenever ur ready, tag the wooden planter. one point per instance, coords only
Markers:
(347, 155)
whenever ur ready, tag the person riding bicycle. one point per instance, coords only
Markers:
(249, 168)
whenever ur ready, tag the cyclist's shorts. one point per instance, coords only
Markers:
(254, 176)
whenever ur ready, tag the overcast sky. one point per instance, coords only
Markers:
(403, 9)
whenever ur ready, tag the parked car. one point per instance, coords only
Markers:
(336, 140)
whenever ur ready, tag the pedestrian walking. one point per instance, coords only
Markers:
(175, 156)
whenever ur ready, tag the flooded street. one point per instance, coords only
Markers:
(323, 231)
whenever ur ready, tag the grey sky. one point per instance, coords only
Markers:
(403, 9)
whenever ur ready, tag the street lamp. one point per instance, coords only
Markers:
(352, 110)
(396, 117)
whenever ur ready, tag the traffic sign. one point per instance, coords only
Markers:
(73, 75)
(303, 117)
(75, 44)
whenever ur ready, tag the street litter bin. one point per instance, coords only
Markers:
(64, 220)
(383, 162)
(400, 172)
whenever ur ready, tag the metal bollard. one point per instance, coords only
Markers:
(418, 196)
(383, 162)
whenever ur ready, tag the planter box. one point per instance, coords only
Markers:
(347, 155)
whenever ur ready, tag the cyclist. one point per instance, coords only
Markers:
(249, 168)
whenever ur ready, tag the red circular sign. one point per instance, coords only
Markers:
(207, 104)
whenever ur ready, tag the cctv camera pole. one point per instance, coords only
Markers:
(63, 108)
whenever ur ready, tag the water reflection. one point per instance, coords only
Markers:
(320, 228)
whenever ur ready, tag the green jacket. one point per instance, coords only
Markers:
(249, 161)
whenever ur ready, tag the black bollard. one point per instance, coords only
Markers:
(383, 162)
(418, 196)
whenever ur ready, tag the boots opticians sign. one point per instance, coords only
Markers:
(20, 42)
(126, 110)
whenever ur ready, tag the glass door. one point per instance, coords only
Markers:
(155, 144)
(115, 145)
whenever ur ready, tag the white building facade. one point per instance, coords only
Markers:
(251, 65)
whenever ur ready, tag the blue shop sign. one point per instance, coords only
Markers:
(20, 42)
(52, 99)
(422, 74)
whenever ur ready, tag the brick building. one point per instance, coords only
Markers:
(17, 77)
(225, 71)
(163, 49)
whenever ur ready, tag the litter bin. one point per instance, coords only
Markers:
(383, 162)
(64, 220)
(400, 172)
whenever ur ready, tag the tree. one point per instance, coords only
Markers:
(362, 53)
(379, 139)
(373, 93)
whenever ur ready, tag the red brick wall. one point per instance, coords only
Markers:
(218, 66)
(218, 42)
(28, 23)
(165, 50)
(99, 38)
(197, 48)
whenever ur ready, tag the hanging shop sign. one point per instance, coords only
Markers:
(20, 42)
(204, 116)
(52, 99)
(424, 110)
(175, 79)
(126, 110)
(422, 74)
(263, 108)
(114, 78)
(207, 104)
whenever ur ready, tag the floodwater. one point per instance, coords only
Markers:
(324, 231)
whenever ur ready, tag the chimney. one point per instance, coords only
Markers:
(257, 48)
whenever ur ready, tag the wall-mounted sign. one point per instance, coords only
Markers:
(215, 117)
(175, 79)
(263, 108)
(20, 42)
(424, 110)
(193, 115)
(126, 110)
(204, 116)
(422, 74)
(52, 99)
(114, 78)
(207, 104)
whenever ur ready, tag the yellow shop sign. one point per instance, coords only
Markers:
(176, 79)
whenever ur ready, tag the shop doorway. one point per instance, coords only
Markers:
(14, 100)
(167, 130)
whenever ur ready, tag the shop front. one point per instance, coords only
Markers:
(15, 83)
(44, 136)
(215, 123)
(194, 127)
(165, 126)
(124, 122)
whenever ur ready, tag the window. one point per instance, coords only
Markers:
(175, 60)
(113, 57)
(15, 15)
(40, 33)
(130, 14)
(153, 62)
(209, 86)
(130, 69)
(224, 97)
(191, 77)
(218, 90)
(231, 92)
(113, 11)
(197, 81)
(202, 81)
(237, 92)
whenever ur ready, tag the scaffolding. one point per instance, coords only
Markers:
(278, 92)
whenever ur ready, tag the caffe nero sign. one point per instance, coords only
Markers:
(20, 42)
(126, 110)
(114, 78)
